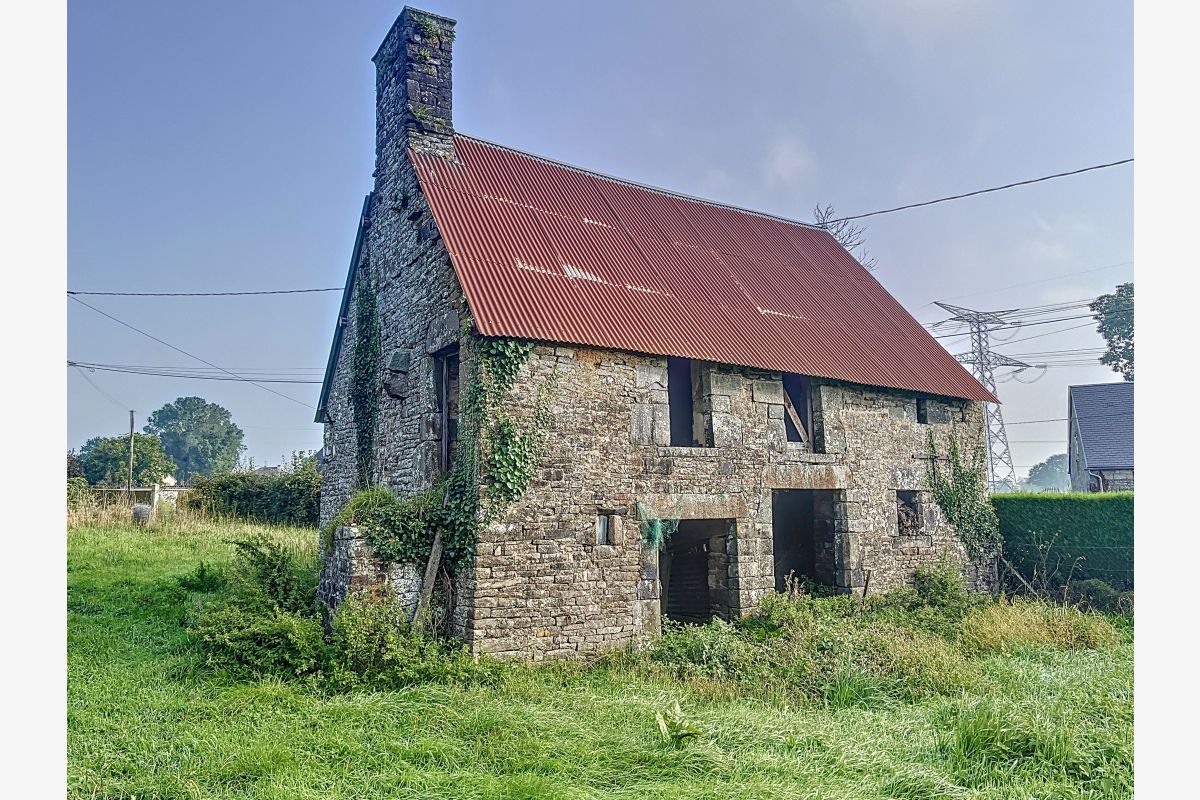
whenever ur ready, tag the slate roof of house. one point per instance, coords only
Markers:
(1103, 413)
(553, 252)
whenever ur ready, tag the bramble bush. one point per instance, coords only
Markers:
(373, 646)
(266, 622)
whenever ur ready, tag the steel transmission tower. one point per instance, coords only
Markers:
(982, 360)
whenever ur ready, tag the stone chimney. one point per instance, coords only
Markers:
(413, 106)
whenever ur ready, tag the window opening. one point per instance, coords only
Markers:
(687, 428)
(446, 384)
(908, 513)
(797, 407)
(603, 529)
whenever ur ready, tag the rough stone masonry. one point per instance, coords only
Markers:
(565, 570)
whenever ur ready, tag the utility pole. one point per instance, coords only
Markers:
(129, 482)
(983, 360)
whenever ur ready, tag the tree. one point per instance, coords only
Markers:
(1050, 474)
(74, 465)
(199, 436)
(106, 460)
(850, 236)
(1114, 313)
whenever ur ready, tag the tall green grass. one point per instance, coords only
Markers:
(150, 717)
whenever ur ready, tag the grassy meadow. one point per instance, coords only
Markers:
(151, 716)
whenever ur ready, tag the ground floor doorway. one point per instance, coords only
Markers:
(693, 569)
(803, 534)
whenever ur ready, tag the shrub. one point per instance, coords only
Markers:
(77, 492)
(269, 574)
(715, 650)
(1098, 595)
(375, 647)
(290, 498)
(1047, 537)
(834, 650)
(1006, 625)
(942, 586)
(400, 531)
(203, 579)
(248, 639)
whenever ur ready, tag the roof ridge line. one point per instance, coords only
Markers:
(649, 187)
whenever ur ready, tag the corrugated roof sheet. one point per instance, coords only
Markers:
(1104, 414)
(552, 252)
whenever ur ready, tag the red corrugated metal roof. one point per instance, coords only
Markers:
(552, 252)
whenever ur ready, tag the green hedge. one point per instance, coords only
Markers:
(292, 498)
(1098, 527)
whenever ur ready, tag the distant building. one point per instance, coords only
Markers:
(269, 471)
(1100, 437)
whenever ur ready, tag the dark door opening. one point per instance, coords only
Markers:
(693, 568)
(802, 534)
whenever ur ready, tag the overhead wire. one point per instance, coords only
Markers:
(1013, 185)
(83, 374)
(205, 294)
(190, 376)
(186, 353)
(1031, 283)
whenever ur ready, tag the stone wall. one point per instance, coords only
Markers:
(541, 585)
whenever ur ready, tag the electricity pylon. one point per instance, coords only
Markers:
(1002, 475)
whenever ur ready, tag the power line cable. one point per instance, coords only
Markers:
(186, 353)
(83, 374)
(981, 191)
(166, 374)
(251, 372)
(206, 294)
(1020, 324)
(1051, 333)
(1032, 283)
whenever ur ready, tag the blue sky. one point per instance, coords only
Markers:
(228, 146)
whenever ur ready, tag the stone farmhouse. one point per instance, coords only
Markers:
(730, 378)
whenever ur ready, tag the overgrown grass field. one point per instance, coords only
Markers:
(816, 700)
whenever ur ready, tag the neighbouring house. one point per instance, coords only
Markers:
(730, 378)
(269, 471)
(1100, 437)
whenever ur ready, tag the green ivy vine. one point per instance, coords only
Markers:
(961, 491)
(494, 450)
(364, 389)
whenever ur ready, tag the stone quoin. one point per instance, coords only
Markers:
(770, 472)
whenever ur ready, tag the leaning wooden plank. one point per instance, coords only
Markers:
(791, 411)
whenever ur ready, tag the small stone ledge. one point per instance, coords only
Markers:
(798, 453)
(690, 452)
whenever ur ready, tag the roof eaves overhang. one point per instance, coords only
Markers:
(343, 311)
